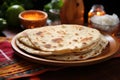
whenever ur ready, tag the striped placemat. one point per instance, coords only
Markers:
(13, 67)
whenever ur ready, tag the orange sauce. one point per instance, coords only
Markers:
(33, 16)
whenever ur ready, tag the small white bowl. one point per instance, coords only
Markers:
(106, 28)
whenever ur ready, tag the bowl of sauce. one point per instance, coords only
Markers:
(33, 18)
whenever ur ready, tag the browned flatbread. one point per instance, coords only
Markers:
(82, 56)
(63, 38)
(62, 42)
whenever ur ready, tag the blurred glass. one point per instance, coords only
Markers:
(53, 10)
(96, 9)
(54, 16)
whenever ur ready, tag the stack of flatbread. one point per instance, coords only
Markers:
(62, 42)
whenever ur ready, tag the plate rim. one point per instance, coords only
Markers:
(94, 60)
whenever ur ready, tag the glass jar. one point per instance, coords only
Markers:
(53, 10)
(96, 9)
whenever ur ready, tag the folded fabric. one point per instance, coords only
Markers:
(13, 67)
(6, 51)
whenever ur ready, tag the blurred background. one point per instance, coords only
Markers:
(111, 6)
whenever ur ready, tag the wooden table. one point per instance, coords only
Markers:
(107, 70)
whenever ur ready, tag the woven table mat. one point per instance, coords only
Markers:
(17, 67)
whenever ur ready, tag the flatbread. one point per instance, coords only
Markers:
(25, 40)
(62, 42)
(78, 56)
(63, 38)
(73, 56)
(32, 50)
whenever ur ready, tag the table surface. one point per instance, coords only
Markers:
(107, 70)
